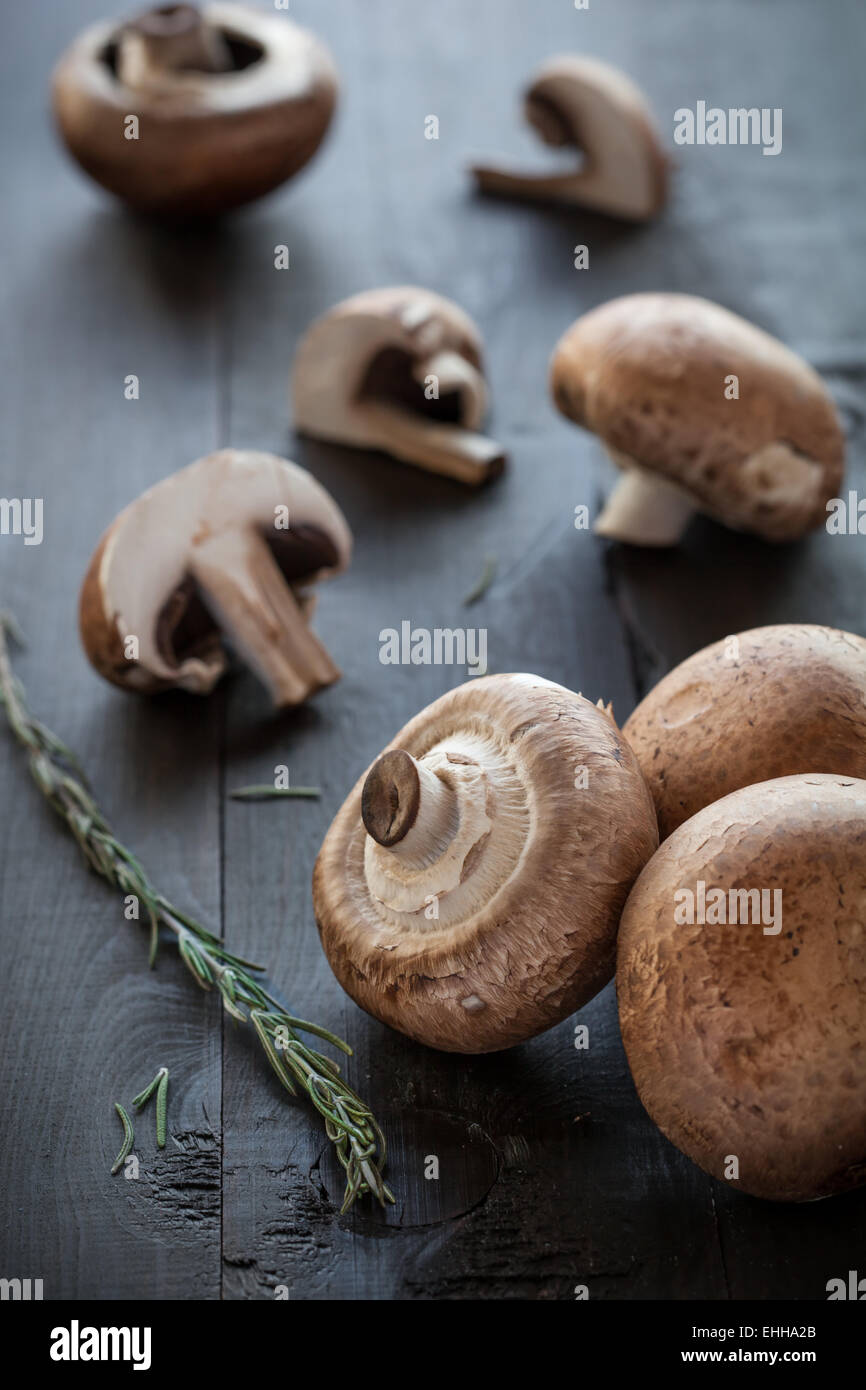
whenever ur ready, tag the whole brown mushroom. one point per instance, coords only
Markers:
(702, 412)
(756, 705)
(469, 890)
(189, 112)
(741, 980)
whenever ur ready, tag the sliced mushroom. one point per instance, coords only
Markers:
(746, 1038)
(588, 106)
(398, 370)
(229, 103)
(704, 413)
(762, 704)
(231, 544)
(468, 891)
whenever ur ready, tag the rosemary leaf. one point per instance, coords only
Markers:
(144, 1096)
(128, 1139)
(349, 1123)
(161, 1107)
(488, 575)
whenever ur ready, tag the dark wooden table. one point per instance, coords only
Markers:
(551, 1173)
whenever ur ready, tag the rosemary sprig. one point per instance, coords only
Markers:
(269, 793)
(349, 1122)
(128, 1139)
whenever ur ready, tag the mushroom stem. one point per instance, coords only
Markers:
(244, 587)
(170, 38)
(408, 809)
(510, 185)
(442, 448)
(645, 510)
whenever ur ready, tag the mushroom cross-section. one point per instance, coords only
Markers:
(230, 545)
(398, 370)
(469, 890)
(704, 412)
(741, 978)
(189, 112)
(587, 106)
(761, 704)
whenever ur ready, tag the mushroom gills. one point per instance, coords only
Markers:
(245, 589)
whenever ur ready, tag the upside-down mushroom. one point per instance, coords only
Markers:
(399, 370)
(230, 545)
(756, 705)
(469, 890)
(585, 105)
(703, 412)
(741, 979)
(228, 102)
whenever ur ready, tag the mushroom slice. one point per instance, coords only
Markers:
(704, 413)
(228, 102)
(230, 545)
(588, 106)
(469, 890)
(398, 370)
(766, 703)
(741, 975)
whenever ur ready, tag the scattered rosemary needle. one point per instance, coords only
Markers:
(128, 1139)
(349, 1122)
(488, 575)
(161, 1104)
(269, 793)
(160, 1085)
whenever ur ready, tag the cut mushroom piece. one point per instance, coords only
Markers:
(761, 704)
(398, 370)
(231, 544)
(741, 976)
(469, 890)
(189, 112)
(704, 412)
(588, 106)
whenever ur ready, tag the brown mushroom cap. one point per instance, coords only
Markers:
(647, 373)
(476, 813)
(231, 102)
(230, 544)
(766, 703)
(596, 109)
(746, 1042)
(398, 369)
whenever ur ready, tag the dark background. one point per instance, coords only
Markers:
(551, 1173)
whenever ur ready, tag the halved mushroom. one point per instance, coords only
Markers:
(231, 544)
(762, 704)
(469, 890)
(704, 412)
(229, 103)
(741, 976)
(586, 105)
(398, 370)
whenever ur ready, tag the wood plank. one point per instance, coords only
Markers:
(89, 296)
